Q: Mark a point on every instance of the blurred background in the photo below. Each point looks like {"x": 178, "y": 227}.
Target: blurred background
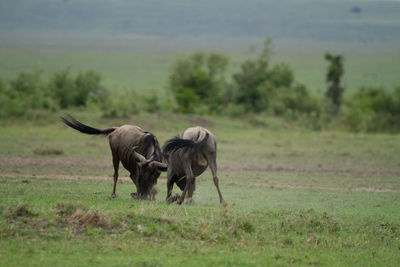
{"x": 313, "y": 60}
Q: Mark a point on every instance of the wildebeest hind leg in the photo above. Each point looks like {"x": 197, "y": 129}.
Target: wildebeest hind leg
{"x": 189, "y": 181}
{"x": 170, "y": 186}
{"x": 116, "y": 167}
{"x": 212, "y": 162}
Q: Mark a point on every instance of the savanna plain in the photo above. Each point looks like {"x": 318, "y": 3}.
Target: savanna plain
{"x": 293, "y": 196}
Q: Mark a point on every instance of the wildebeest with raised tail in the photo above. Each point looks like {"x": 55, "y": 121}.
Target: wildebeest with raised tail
{"x": 189, "y": 156}
{"x": 139, "y": 152}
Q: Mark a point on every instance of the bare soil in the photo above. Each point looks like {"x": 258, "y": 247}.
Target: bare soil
{"x": 54, "y": 162}
{"x": 51, "y": 164}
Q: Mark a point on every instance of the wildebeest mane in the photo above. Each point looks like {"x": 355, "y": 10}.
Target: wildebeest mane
{"x": 73, "y": 123}
{"x": 177, "y": 143}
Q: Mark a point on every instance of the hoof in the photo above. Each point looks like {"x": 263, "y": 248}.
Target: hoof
{"x": 113, "y": 196}
{"x": 190, "y": 201}
{"x": 135, "y": 195}
{"x": 173, "y": 198}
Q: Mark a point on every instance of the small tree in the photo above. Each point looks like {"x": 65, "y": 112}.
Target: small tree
{"x": 198, "y": 81}
{"x": 69, "y": 91}
{"x": 333, "y": 77}
{"x": 61, "y": 87}
{"x": 87, "y": 86}
{"x": 249, "y": 81}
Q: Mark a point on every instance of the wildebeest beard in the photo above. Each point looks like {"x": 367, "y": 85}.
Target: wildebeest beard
{"x": 146, "y": 175}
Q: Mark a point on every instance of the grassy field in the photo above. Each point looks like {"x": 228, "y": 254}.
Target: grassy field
{"x": 293, "y": 196}
{"x": 143, "y": 64}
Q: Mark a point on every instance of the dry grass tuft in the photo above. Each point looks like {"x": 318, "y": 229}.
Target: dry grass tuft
{"x": 90, "y": 218}
{"x": 77, "y": 215}
{"x": 19, "y": 211}
{"x": 47, "y": 151}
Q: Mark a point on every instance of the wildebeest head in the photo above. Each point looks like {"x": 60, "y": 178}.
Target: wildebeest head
{"x": 148, "y": 170}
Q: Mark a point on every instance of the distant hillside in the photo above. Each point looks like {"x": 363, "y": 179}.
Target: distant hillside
{"x": 339, "y": 20}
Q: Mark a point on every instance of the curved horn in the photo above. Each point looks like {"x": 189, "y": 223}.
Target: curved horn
{"x": 140, "y": 158}
{"x": 159, "y": 165}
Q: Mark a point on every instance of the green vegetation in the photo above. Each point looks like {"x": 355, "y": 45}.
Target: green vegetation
{"x": 294, "y": 196}
{"x": 198, "y": 81}
{"x": 28, "y": 92}
{"x": 333, "y": 78}
{"x": 305, "y": 182}
{"x": 372, "y": 110}
{"x": 257, "y": 87}
{"x": 199, "y": 85}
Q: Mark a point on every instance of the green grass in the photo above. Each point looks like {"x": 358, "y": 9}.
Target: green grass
{"x": 289, "y": 227}
{"x": 293, "y": 197}
{"x": 145, "y": 67}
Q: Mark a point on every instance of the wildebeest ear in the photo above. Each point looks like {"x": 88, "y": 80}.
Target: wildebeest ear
{"x": 160, "y": 166}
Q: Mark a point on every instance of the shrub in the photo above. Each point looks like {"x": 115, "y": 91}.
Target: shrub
{"x": 87, "y": 87}
{"x": 296, "y": 100}
{"x": 61, "y": 88}
{"x": 259, "y": 87}
{"x": 333, "y": 77}
{"x": 373, "y": 110}
{"x": 26, "y": 83}
{"x": 69, "y": 91}
{"x": 252, "y": 84}
{"x": 234, "y": 110}
{"x": 25, "y": 92}
{"x": 198, "y": 79}
{"x": 119, "y": 106}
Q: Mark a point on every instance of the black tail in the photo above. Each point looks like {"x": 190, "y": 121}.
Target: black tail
{"x": 71, "y": 122}
{"x": 177, "y": 143}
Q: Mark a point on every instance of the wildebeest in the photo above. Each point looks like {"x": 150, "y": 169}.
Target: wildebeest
{"x": 139, "y": 152}
{"x": 189, "y": 156}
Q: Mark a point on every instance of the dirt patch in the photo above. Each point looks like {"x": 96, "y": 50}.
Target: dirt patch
{"x": 27, "y": 165}
{"x": 163, "y": 180}
{"x": 245, "y": 167}
{"x": 62, "y": 162}
{"x": 49, "y": 162}
{"x": 367, "y": 189}
{"x": 62, "y": 176}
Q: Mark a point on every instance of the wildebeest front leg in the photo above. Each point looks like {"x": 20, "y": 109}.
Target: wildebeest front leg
{"x": 134, "y": 195}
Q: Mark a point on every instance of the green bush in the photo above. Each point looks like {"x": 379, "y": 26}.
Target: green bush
{"x": 373, "y": 110}
{"x": 251, "y": 87}
{"x": 259, "y": 87}
{"x": 61, "y": 88}
{"x": 199, "y": 79}
{"x": 234, "y": 110}
{"x": 69, "y": 91}
{"x": 87, "y": 87}
{"x": 27, "y": 92}
{"x": 150, "y": 103}
{"x": 295, "y": 100}
{"x": 119, "y": 106}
